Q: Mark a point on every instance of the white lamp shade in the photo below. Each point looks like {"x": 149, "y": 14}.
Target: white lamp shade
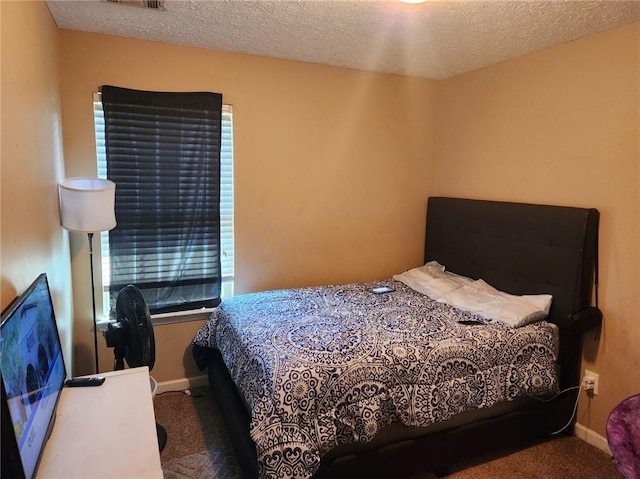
{"x": 87, "y": 205}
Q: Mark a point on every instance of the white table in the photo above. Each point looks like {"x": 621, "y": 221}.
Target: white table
{"x": 107, "y": 431}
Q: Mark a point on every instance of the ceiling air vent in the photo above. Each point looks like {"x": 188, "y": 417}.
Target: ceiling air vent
{"x": 150, "y": 4}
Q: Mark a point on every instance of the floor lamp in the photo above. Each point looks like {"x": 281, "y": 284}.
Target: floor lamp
{"x": 87, "y": 206}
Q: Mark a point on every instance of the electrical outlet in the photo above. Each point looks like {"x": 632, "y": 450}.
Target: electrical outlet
{"x": 590, "y": 382}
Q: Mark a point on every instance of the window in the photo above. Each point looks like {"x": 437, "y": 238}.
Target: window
{"x": 226, "y": 203}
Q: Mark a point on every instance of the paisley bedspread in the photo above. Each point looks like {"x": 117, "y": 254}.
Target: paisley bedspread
{"x": 324, "y": 366}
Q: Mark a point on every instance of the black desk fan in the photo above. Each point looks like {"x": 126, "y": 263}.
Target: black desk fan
{"x": 132, "y": 337}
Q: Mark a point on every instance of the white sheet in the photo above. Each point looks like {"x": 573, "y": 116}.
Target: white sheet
{"x": 432, "y": 280}
{"x": 476, "y": 297}
{"x": 484, "y": 300}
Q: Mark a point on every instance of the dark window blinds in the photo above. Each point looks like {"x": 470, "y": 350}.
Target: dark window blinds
{"x": 163, "y": 153}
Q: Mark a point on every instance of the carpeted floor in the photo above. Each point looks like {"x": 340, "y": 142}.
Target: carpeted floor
{"x": 198, "y": 447}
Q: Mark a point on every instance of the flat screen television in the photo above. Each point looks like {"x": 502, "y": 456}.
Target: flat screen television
{"x": 33, "y": 374}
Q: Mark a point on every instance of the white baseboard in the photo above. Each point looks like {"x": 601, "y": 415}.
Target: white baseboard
{"x": 592, "y": 437}
{"x": 182, "y": 384}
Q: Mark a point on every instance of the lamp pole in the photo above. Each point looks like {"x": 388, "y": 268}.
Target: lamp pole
{"x": 93, "y": 301}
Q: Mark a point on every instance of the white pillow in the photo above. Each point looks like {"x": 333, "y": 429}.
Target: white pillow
{"x": 486, "y": 301}
{"x": 432, "y": 280}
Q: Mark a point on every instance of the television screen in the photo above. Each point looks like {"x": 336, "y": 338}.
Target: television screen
{"x": 33, "y": 374}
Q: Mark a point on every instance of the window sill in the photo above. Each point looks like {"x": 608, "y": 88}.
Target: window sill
{"x": 182, "y": 316}
{"x": 170, "y": 318}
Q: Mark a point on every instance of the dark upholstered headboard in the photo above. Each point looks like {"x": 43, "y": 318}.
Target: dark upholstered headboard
{"x": 521, "y": 249}
{"x": 518, "y": 248}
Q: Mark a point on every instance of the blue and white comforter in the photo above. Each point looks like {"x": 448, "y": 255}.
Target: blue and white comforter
{"x": 324, "y": 366}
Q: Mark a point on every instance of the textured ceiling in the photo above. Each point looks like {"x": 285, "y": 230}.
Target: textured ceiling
{"x": 436, "y": 39}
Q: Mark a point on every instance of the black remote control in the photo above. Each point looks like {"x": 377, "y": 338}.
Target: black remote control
{"x": 84, "y": 382}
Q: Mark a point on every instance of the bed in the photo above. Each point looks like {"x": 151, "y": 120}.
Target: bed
{"x": 339, "y": 381}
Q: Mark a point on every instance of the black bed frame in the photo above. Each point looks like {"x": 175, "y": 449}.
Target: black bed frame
{"x": 518, "y": 248}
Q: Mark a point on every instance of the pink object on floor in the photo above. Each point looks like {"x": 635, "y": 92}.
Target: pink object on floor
{"x": 623, "y": 434}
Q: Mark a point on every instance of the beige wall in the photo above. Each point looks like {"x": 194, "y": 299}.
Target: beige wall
{"x": 31, "y": 239}
{"x": 561, "y": 126}
{"x": 331, "y": 165}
